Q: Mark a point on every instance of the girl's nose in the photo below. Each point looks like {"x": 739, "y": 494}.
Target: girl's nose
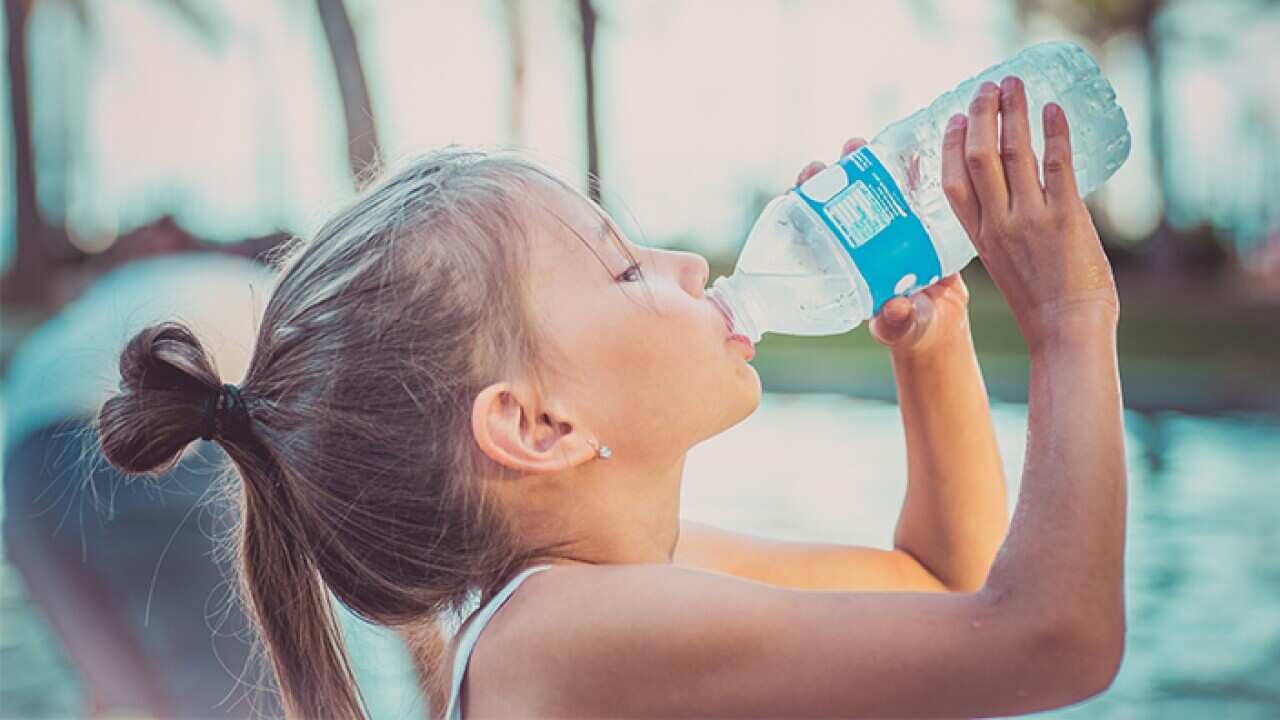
{"x": 693, "y": 271}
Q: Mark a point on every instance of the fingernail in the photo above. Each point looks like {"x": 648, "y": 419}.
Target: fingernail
{"x": 1009, "y": 86}
{"x": 1052, "y": 115}
{"x": 989, "y": 87}
{"x": 956, "y": 121}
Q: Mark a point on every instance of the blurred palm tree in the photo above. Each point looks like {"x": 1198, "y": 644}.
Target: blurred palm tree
{"x": 37, "y": 243}
{"x": 43, "y": 244}
{"x": 364, "y": 153}
{"x": 587, "y": 16}
{"x": 1102, "y": 20}
{"x": 513, "y": 22}
{"x": 513, "y": 12}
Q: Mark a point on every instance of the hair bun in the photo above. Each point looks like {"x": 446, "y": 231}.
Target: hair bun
{"x": 166, "y": 379}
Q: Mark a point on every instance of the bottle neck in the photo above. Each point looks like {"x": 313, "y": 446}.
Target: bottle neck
{"x": 732, "y": 295}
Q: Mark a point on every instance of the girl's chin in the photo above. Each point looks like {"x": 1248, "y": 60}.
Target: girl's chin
{"x": 753, "y": 377}
{"x": 749, "y": 396}
{"x": 734, "y": 398}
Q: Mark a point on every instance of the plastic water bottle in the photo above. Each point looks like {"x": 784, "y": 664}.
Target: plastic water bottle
{"x": 824, "y": 257}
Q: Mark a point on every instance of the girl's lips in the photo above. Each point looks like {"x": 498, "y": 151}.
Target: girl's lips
{"x": 724, "y": 312}
{"x": 728, "y": 322}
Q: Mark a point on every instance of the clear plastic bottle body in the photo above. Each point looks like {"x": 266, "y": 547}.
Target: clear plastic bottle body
{"x": 794, "y": 275}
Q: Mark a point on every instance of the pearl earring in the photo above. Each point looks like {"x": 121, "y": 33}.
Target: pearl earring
{"x": 602, "y": 451}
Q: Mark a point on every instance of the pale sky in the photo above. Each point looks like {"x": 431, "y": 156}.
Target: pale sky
{"x": 701, "y": 104}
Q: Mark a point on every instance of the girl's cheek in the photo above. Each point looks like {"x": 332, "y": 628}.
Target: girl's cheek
{"x": 673, "y": 301}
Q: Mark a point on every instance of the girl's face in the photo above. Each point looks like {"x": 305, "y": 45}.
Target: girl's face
{"x": 638, "y": 352}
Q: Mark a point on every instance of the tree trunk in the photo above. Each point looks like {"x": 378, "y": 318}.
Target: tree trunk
{"x": 363, "y": 150}
{"x": 513, "y": 14}
{"x": 1158, "y": 100}
{"x": 37, "y": 244}
{"x": 1162, "y": 245}
{"x": 587, "y": 14}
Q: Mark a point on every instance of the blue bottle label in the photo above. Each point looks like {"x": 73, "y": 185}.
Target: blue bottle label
{"x": 863, "y": 207}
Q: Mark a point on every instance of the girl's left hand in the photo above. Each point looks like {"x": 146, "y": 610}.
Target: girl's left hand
{"x": 923, "y": 320}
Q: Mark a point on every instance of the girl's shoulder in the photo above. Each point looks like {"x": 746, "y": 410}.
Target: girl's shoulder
{"x": 501, "y": 677}
{"x": 660, "y": 640}
{"x": 534, "y": 646}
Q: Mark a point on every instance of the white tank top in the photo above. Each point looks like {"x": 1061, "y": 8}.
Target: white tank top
{"x": 469, "y": 636}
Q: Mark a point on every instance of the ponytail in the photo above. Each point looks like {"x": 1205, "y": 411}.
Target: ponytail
{"x": 167, "y": 384}
{"x": 292, "y": 607}
{"x": 428, "y": 647}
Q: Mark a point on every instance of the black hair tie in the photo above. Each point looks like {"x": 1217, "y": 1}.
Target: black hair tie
{"x": 225, "y": 415}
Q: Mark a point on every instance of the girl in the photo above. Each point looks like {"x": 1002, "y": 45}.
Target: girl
{"x": 470, "y": 381}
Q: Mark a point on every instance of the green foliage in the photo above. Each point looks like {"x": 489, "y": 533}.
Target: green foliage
{"x": 1178, "y": 350}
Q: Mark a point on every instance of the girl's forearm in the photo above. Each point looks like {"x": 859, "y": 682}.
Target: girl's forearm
{"x": 955, "y": 514}
{"x": 1064, "y": 556}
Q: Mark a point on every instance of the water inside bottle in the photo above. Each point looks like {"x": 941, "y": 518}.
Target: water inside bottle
{"x": 805, "y": 304}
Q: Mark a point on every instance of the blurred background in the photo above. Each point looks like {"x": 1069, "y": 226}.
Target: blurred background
{"x": 144, "y": 129}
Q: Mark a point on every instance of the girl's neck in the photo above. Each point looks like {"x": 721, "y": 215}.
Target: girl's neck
{"x": 612, "y": 512}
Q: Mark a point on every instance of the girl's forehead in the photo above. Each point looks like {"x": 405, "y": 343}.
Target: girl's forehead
{"x": 568, "y": 222}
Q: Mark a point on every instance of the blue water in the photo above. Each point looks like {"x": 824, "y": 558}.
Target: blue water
{"x": 1203, "y": 556}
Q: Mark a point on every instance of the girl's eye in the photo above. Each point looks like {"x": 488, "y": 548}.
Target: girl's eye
{"x": 631, "y": 274}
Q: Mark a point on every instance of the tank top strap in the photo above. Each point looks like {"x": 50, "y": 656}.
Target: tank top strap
{"x": 467, "y": 641}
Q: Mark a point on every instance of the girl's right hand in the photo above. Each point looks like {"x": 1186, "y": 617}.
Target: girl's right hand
{"x": 1037, "y": 241}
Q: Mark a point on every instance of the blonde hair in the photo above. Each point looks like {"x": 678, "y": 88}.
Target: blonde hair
{"x": 359, "y": 473}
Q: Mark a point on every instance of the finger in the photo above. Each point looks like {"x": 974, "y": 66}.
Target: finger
{"x": 1015, "y": 145}
{"x": 909, "y": 324}
{"x": 1059, "y": 176}
{"x": 851, "y": 145}
{"x": 955, "y": 176}
{"x": 981, "y": 155}
{"x": 937, "y": 290}
{"x": 898, "y": 310}
{"x": 809, "y": 171}
{"x": 955, "y": 282}
{"x": 894, "y": 322}
{"x": 949, "y": 285}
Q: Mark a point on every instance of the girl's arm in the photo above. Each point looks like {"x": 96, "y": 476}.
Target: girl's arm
{"x": 955, "y": 513}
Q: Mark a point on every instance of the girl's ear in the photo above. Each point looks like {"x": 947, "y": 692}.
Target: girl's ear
{"x": 515, "y": 429}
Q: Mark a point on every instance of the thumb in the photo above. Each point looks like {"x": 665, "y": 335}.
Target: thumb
{"x": 903, "y": 325}
{"x": 895, "y": 321}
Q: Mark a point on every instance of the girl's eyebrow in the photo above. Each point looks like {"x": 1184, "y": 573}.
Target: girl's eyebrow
{"x": 604, "y": 232}
{"x": 602, "y": 228}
